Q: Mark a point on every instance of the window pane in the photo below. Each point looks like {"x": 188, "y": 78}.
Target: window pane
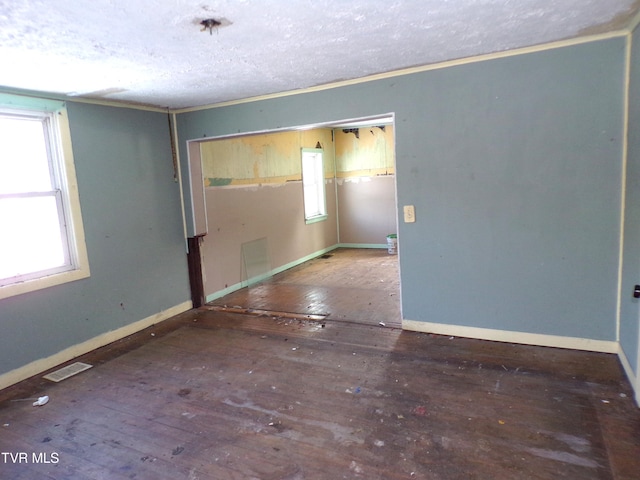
{"x": 24, "y": 164}
{"x": 308, "y": 161}
{"x": 31, "y": 239}
{"x": 313, "y": 184}
{"x": 311, "y": 203}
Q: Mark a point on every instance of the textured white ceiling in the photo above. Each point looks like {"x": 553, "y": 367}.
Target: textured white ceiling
{"x": 154, "y": 52}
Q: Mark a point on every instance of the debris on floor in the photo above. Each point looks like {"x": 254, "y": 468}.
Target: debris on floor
{"x": 41, "y": 401}
{"x": 420, "y": 410}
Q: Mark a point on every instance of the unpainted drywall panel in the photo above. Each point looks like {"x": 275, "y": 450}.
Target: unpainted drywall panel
{"x": 273, "y": 214}
{"x": 366, "y": 209}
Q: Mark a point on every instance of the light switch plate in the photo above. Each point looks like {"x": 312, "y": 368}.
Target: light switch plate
{"x": 409, "y": 214}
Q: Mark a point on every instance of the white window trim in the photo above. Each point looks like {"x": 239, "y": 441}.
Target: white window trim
{"x": 71, "y": 200}
{"x": 325, "y": 215}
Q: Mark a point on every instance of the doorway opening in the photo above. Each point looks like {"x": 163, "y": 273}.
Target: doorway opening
{"x": 252, "y": 192}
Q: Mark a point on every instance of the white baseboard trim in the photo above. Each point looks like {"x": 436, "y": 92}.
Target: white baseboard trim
{"x": 524, "y": 338}
{"x": 38, "y": 366}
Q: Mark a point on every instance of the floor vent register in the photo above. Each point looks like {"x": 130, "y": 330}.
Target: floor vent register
{"x": 68, "y": 371}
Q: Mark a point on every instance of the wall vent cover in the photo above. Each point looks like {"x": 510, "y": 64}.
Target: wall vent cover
{"x": 68, "y": 371}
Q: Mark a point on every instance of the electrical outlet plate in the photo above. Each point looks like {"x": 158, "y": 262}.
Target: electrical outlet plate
{"x": 409, "y": 214}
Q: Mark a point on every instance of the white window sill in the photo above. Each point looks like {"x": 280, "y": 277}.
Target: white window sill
{"x": 317, "y": 218}
{"x": 43, "y": 282}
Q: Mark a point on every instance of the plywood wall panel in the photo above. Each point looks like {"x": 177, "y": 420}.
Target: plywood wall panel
{"x": 371, "y": 152}
{"x": 263, "y": 158}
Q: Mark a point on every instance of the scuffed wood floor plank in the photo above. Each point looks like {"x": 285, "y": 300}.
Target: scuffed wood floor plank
{"x": 224, "y": 395}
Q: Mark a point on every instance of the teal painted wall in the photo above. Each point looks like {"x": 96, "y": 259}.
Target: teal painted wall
{"x": 520, "y": 198}
{"x": 514, "y": 168}
{"x": 629, "y": 307}
{"x": 133, "y": 226}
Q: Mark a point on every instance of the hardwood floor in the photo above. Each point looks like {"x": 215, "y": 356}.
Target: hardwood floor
{"x": 222, "y": 395}
{"x": 354, "y": 285}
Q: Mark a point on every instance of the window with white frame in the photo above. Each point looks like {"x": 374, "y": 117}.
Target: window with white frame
{"x": 315, "y": 206}
{"x": 42, "y": 242}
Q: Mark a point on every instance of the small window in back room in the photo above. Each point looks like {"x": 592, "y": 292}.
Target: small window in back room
{"x": 315, "y": 206}
{"x": 42, "y": 243}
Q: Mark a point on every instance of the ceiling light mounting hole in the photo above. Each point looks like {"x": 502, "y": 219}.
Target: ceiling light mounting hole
{"x": 210, "y": 24}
